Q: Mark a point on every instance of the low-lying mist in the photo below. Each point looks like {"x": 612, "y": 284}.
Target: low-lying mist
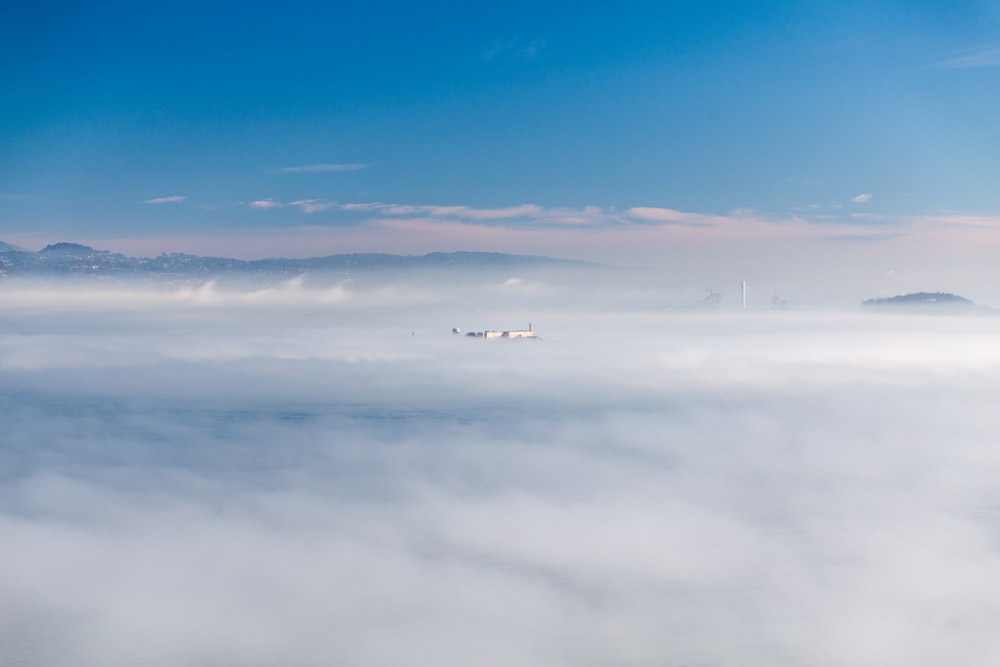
{"x": 322, "y": 473}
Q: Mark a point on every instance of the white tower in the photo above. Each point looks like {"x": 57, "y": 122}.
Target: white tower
{"x": 744, "y": 288}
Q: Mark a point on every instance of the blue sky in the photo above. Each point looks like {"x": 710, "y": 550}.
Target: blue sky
{"x": 310, "y": 128}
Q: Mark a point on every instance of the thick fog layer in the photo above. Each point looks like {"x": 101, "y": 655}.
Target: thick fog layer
{"x": 322, "y": 475}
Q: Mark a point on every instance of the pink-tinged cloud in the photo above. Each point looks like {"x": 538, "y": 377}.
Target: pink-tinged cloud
{"x": 175, "y": 199}
{"x": 668, "y": 215}
{"x": 312, "y": 205}
{"x": 947, "y": 252}
{"x": 944, "y": 252}
{"x": 730, "y": 241}
{"x": 862, "y": 198}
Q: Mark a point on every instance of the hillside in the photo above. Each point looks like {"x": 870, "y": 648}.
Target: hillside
{"x": 923, "y": 302}
{"x": 72, "y": 259}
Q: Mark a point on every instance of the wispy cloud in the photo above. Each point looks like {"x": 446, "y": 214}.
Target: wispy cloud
{"x": 603, "y": 233}
{"x": 523, "y": 214}
{"x": 468, "y": 212}
{"x": 312, "y": 205}
{"x": 166, "y": 200}
{"x": 304, "y": 205}
{"x": 265, "y": 204}
{"x": 516, "y": 48}
{"x": 327, "y": 167}
{"x": 668, "y": 215}
{"x": 527, "y": 217}
{"x": 363, "y": 206}
{"x": 476, "y": 223}
{"x": 981, "y": 56}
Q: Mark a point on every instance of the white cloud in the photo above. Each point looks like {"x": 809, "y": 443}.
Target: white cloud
{"x": 862, "y": 198}
{"x": 322, "y": 168}
{"x": 470, "y": 213}
{"x": 367, "y": 206}
{"x": 312, "y": 205}
{"x": 166, "y": 200}
{"x": 653, "y": 214}
{"x": 516, "y": 215}
{"x": 305, "y": 205}
{"x": 265, "y": 204}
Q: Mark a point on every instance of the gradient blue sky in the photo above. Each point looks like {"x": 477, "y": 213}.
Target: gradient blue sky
{"x": 300, "y": 128}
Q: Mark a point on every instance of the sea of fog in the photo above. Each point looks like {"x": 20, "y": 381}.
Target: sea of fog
{"x": 322, "y": 475}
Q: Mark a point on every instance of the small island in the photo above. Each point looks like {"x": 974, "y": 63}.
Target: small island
{"x": 923, "y": 302}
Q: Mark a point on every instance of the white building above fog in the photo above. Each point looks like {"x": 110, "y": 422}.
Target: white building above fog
{"x": 512, "y": 333}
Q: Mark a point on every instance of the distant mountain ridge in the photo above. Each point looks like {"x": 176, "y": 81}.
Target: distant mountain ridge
{"x": 80, "y": 260}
